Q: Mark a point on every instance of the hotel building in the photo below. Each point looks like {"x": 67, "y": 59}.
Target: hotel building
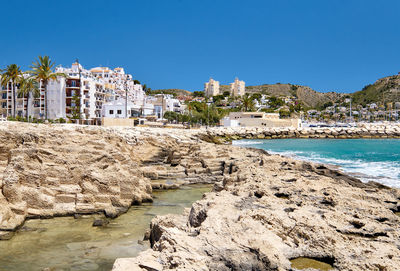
{"x": 238, "y": 88}
{"x": 211, "y": 88}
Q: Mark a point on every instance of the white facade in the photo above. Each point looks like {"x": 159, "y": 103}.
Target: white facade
{"x": 117, "y": 109}
{"x": 35, "y": 106}
{"x": 238, "y": 88}
{"x": 89, "y": 88}
{"x": 260, "y": 119}
{"x": 211, "y": 88}
{"x": 227, "y": 122}
{"x": 165, "y": 102}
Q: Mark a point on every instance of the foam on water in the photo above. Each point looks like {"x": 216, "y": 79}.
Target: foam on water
{"x": 246, "y": 142}
{"x": 366, "y": 159}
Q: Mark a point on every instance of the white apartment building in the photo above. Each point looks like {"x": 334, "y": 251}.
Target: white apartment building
{"x": 81, "y": 90}
{"x": 238, "y": 88}
{"x": 35, "y": 106}
{"x": 165, "y": 102}
{"x": 211, "y": 88}
{"x": 117, "y": 109}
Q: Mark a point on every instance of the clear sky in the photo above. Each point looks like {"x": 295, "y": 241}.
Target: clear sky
{"x": 335, "y": 45}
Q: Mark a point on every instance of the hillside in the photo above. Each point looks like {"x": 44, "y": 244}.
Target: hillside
{"x": 384, "y": 90}
{"x": 306, "y": 95}
{"x": 172, "y": 91}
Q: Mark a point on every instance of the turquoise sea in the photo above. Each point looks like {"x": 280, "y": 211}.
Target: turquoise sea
{"x": 367, "y": 159}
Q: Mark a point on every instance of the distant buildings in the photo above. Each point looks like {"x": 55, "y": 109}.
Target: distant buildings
{"x": 81, "y": 94}
{"x": 163, "y": 103}
{"x": 211, "y": 88}
{"x": 260, "y": 119}
{"x": 237, "y": 88}
{"x": 117, "y": 109}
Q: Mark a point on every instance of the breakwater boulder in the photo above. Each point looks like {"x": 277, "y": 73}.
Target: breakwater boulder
{"x": 224, "y": 135}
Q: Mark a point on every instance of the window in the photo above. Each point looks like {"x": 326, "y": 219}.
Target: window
{"x": 111, "y": 112}
{"x": 119, "y": 112}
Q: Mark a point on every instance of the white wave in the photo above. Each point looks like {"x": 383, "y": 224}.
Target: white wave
{"x": 246, "y": 142}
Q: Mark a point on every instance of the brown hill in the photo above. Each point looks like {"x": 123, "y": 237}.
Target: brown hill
{"x": 384, "y": 90}
{"x": 172, "y": 91}
{"x": 306, "y": 95}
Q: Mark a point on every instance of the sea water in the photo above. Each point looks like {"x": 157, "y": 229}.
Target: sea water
{"x": 65, "y": 243}
{"x": 367, "y": 159}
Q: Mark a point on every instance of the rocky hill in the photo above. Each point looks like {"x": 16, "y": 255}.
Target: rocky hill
{"x": 172, "y": 91}
{"x": 384, "y": 90}
{"x": 306, "y": 95}
{"x": 309, "y": 97}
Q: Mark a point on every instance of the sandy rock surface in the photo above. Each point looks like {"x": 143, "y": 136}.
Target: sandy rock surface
{"x": 268, "y": 210}
{"x": 58, "y": 171}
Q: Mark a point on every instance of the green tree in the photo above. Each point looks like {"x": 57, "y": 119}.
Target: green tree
{"x": 170, "y": 116}
{"x": 43, "y": 71}
{"x": 198, "y": 93}
{"x": 247, "y": 103}
{"x": 76, "y": 108}
{"x": 276, "y": 102}
{"x": 26, "y": 87}
{"x": 283, "y": 113}
{"x": 218, "y": 98}
{"x": 256, "y": 96}
{"x": 226, "y": 93}
{"x": 11, "y": 74}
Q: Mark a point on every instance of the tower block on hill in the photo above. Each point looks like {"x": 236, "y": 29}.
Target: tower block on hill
{"x": 211, "y": 88}
{"x": 238, "y": 88}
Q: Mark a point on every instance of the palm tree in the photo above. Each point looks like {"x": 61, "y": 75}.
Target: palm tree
{"x": 27, "y": 86}
{"x": 11, "y": 74}
{"x": 42, "y": 71}
{"x": 247, "y": 103}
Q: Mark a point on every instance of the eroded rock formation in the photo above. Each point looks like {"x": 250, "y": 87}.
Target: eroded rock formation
{"x": 55, "y": 171}
{"x": 268, "y": 210}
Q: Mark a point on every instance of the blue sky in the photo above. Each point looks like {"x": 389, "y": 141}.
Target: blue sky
{"x": 336, "y": 45}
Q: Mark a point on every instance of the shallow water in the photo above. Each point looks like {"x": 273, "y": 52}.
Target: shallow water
{"x": 65, "y": 243}
{"x": 304, "y": 263}
{"x": 367, "y": 159}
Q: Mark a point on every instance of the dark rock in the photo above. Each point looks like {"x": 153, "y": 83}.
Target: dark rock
{"x": 100, "y": 222}
{"x": 6, "y": 235}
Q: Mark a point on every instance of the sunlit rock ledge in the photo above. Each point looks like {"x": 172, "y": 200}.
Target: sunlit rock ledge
{"x": 268, "y": 211}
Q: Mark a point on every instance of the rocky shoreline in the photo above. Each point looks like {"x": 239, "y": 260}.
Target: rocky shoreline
{"x": 64, "y": 170}
{"x": 269, "y": 210}
{"x": 264, "y": 209}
